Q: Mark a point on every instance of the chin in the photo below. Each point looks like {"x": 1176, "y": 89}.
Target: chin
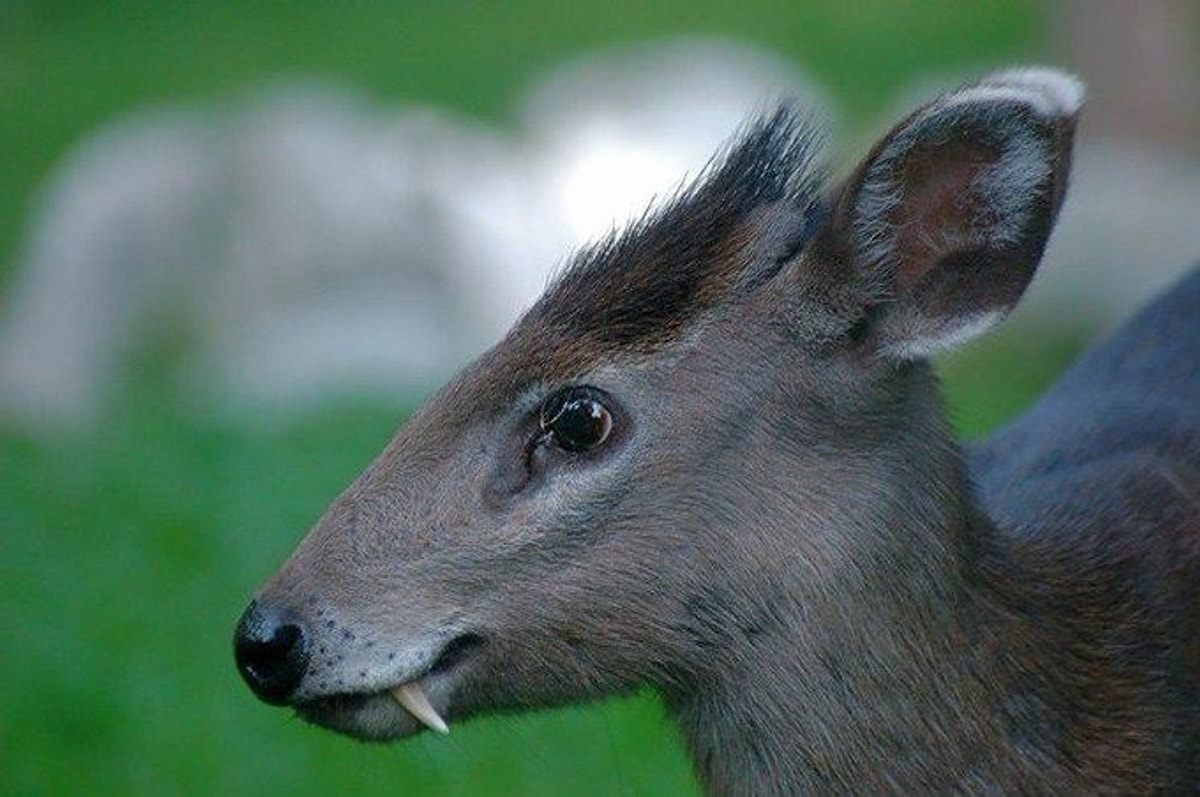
{"x": 366, "y": 717}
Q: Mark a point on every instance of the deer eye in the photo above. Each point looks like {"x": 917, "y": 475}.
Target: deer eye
{"x": 576, "y": 419}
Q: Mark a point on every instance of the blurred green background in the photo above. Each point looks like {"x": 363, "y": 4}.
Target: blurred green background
{"x": 127, "y": 554}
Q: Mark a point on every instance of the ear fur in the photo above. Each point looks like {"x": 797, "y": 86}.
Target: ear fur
{"x": 943, "y": 224}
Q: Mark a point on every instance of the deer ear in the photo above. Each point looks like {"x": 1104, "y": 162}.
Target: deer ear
{"x": 943, "y": 224}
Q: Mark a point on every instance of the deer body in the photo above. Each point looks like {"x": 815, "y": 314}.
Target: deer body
{"x": 713, "y": 459}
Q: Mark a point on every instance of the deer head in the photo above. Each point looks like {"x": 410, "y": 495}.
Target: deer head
{"x": 710, "y": 457}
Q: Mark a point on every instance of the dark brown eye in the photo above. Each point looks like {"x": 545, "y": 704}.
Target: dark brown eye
{"x": 576, "y": 419}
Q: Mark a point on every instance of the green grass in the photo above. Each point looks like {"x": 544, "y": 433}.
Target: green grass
{"x": 127, "y": 554}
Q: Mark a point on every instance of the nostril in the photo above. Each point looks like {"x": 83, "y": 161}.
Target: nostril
{"x": 264, "y": 657}
{"x": 271, "y": 655}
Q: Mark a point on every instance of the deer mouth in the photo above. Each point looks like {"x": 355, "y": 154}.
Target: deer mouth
{"x": 400, "y": 710}
{"x": 411, "y": 696}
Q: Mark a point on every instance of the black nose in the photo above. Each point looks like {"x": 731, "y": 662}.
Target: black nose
{"x": 271, "y": 654}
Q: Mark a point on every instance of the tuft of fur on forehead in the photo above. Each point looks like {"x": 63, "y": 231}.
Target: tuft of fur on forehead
{"x": 639, "y": 287}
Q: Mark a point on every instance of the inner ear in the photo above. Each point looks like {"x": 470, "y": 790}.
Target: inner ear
{"x": 942, "y": 213}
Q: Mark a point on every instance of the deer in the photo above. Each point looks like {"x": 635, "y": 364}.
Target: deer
{"x": 713, "y": 460}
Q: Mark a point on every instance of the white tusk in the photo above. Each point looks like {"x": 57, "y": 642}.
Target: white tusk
{"x": 412, "y": 697}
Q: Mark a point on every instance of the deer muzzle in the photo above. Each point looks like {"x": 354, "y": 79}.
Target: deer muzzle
{"x": 363, "y": 686}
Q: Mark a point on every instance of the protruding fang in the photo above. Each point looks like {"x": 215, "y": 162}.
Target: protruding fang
{"x": 412, "y": 697}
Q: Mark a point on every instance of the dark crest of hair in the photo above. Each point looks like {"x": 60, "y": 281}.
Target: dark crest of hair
{"x": 639, "y": 285}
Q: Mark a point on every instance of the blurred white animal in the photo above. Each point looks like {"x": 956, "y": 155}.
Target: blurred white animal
{"x": 308, "y": 241}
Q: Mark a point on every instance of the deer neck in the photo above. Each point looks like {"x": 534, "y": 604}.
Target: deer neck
{"x": 902, "y": 698}
{"x": 884, "y": 685}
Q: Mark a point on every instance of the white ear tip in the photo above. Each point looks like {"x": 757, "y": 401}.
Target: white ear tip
{"x": 1051, "y": 91}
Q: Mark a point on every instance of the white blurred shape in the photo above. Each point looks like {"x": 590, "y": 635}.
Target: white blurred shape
{"x": 310, "y": 242}
{"x": 115, "y": 249}
{"x": 1130, "y": 227}
{"x": 341, "y": 274}
{"x": 610, "y": 134}
{"x": 595, "y": 188}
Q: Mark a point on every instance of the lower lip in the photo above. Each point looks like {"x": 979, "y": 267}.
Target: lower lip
{"x": 368, "y": 717}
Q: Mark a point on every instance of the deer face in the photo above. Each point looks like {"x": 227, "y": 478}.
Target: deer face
{"x": 699, "y": 436}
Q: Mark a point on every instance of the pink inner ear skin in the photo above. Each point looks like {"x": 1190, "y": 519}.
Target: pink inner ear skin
{"x": 942, "y": 209}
